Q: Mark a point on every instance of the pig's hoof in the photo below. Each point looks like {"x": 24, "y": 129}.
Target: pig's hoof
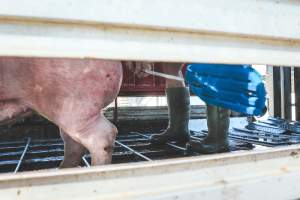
{"x": 64, "y": 165}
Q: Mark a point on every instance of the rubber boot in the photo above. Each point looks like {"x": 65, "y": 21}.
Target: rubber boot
{"x": 218, "y": 120}
{"x": 178, "y": 99}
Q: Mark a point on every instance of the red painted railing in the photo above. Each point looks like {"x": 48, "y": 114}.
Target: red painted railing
{"x": 134, "y": 86}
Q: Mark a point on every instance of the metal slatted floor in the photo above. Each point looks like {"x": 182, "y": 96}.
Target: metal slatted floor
{"x": 36, "y": 154}
{"x": 44, "y": 154}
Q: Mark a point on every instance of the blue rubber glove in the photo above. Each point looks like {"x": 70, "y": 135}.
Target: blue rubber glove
{"x": 236, "y": 87}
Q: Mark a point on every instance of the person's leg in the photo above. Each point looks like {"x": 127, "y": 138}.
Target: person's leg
{"x": 178, "y": 98}
{"x": 173, "y": 69}
{"x": 217, "y": 139}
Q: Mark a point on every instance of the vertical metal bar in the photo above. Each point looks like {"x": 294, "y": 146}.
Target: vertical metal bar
{"x": 297, "y": 92}
{"x": 23, "y": 155}
{"x": 286, "y": 90}
{"x": 273, "y": 83}
{"x": 116, "y": 114}
{"x": 133, "y": 151}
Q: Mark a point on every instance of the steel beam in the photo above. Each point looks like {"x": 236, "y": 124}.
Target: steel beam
{"x": 233, "y": 31}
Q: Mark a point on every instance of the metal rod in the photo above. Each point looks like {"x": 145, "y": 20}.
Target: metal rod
{"x": 133, "y": 151}
{"x": 23, "y": 155}
{"x": 176, "y": 147}
{"x": 87, "y": 164}
{"x": 167, "y": 76}
{"x": 168, "y": 143}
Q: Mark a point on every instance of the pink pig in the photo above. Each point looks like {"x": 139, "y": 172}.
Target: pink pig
{"x": 69, "y": 92}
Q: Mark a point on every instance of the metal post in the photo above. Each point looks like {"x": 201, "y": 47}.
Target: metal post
{"x": 297, "y": 92}
{"x": 115, "y": 113}
{"x": 286, "y": 90}
{"x": 274, "y": 91}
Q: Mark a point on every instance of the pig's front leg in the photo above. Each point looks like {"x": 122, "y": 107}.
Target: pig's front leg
{"x": 100, "y": 141}
{"x": 73, "y": 151}
{"x": 99, "y": 138}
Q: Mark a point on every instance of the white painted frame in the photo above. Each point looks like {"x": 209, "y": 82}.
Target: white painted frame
{"x": 223, "y": 31}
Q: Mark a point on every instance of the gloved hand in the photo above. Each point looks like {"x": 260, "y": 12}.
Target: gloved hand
{"x": 236, "y": 87}
{"x": 139, "y": 67}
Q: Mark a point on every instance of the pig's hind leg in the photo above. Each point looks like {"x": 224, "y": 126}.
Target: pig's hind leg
{"x": 73, "y": 151}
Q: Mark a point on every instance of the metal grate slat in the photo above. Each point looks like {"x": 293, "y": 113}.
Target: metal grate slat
{"x": 23, "y": 155}
{"x": 169, "y": 144}
{"x": 133, "y": 151}
{"x": 87, "y": 164}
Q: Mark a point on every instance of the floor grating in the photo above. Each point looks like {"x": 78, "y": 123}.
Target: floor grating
{"x": 36, "y": 154}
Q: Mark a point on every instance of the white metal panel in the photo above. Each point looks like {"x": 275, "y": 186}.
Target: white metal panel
{"x": 256, "y": 32}
{"x": 60, "y": 40}
{"x": 231, "y": 31}
{"x": 274, "y": 18}
{"x": 272, "y": 174}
